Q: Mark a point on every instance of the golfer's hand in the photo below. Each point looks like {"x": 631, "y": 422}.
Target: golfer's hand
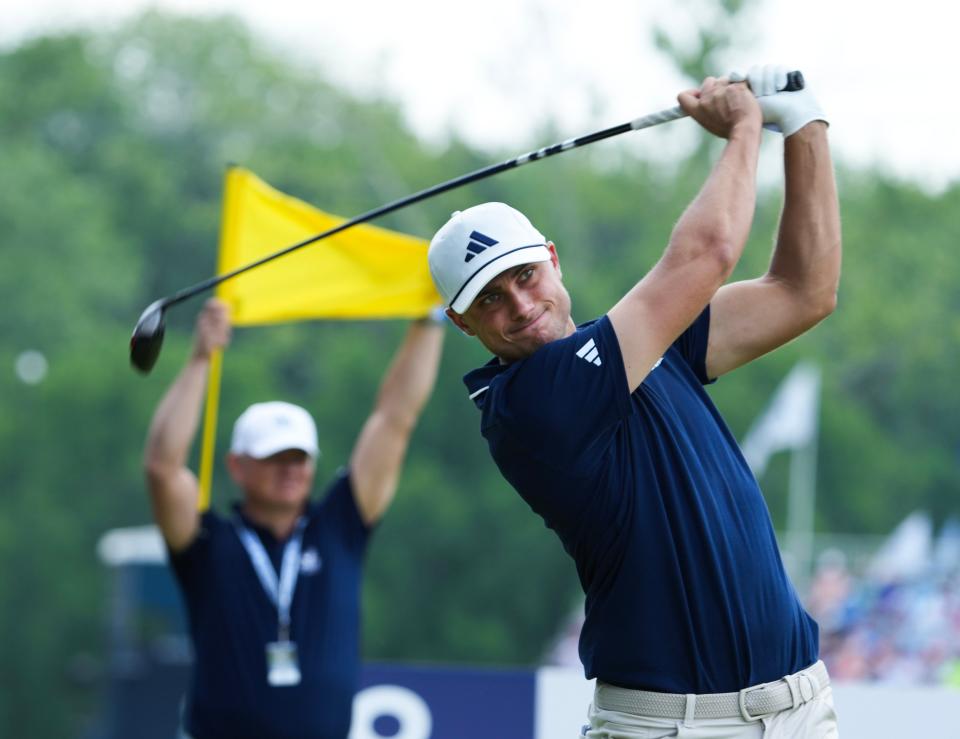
{"x": 722, "y": 107}
{"x": 786, "y": 112}
{"x": 213, "y": 329}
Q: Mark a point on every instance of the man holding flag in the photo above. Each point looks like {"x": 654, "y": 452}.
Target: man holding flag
{"x": 272, "y": 589}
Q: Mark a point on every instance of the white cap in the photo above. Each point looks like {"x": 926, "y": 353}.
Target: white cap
{"x": 476, "y": 245}
{"x": 267, "y": 428}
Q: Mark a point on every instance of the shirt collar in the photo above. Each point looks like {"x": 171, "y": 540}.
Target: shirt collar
{"x": 266, "y": 536}
{"x": 478, "y": 381}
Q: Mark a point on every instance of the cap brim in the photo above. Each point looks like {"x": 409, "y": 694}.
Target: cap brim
{"x": 521, "y": 255}
{"x": 281, "y": 443}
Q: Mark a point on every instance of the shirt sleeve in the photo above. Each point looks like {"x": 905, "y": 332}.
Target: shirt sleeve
{"x": 692, "y": 346}
{"x": 339, "y": 507}
{"x": 563, "y": 401}
{"x": 190, "y": 565}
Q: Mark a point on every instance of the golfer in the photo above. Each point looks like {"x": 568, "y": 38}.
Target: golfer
{"x": 272, "y": 587}
{"x": 692, "y": 627}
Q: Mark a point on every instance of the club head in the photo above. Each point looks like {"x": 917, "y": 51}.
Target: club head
{"x": 147, "y": 338}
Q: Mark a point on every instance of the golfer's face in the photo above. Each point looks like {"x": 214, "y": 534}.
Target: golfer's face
{"x": 283, "y": 479}
{"x": 520, "y": 310}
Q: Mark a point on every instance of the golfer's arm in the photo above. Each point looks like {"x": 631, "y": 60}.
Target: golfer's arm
{"x": 380, "y": 449}
{"x": 750, "y": 318}
{"x": 703, "y": 250}
{"x": 173, "y": 488}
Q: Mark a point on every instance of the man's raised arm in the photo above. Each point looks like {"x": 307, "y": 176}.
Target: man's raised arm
{"x": 750, "y": 318}
{"x": 378, "y": 455}
{"x": 708, "y": 239}
{"x": 173, "y": 487}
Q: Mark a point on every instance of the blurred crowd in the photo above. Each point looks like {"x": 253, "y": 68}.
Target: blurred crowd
{"x": 901, "y": 627}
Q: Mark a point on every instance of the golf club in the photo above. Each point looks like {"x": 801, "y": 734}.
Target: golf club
{"x": 147, "y": 338}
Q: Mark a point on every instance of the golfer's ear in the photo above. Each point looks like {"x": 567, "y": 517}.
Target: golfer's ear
{"x": 554, "y": 257}
{"x": 457, "y": 320}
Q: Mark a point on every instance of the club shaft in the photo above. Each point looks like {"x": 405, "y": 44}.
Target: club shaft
{"x": 635, "y": 125}
{"x": 795, "y": 82}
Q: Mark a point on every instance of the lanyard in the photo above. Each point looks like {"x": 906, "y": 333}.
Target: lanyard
{"x": 280, "y": 591}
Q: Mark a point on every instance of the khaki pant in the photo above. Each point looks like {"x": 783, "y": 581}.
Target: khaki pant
{"x": 814, "y": 719}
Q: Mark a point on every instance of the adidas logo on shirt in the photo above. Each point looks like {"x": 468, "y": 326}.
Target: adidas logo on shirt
{"x": 590, "y": 353}
{"x": 479, "y": 243}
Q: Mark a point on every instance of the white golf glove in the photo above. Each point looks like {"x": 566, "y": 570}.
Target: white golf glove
{"x": 786, "y": 112}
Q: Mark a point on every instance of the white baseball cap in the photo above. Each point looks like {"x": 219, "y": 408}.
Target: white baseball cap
{"x": 267, "y": 428}
{"x": 476, "y": 245}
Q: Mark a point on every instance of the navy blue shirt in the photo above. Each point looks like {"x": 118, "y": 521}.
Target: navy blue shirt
{"x": 651, "y": 497}
{"x": 232, "y": 619}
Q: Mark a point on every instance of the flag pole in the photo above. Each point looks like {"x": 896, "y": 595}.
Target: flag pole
{"x": 801, "y": 500}
{"x": 215, "y": 373}
{"x": 209, "y": 430}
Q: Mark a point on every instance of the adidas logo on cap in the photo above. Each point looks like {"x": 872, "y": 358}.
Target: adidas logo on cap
{"x": 474, "y": 248}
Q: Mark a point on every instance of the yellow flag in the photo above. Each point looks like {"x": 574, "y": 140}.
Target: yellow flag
{"x": 363, "y": 272}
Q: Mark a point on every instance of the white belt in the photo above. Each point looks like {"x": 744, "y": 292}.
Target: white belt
{"x": 749, "y": 704}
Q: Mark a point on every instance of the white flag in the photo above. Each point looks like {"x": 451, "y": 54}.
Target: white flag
{"x": 946, "y": 552}
{"x": 906, "y": 552}
{"x": 789, "y": 422}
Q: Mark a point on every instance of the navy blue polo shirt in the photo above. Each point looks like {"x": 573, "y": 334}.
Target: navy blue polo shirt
{"x": 232, "y": 619}
{"x": 651, "y": 497}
